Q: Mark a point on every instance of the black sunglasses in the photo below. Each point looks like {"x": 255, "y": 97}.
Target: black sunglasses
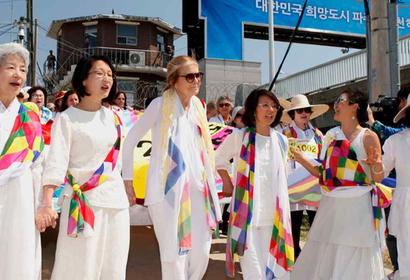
{"x": 307, "y": 110}
{"x": 224, "y": 105}
{"x": 190, "y": 77}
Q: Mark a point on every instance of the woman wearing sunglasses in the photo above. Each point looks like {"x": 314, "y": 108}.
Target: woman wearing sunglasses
{"x": 224, "y": 104}
{"x": 343, "y": 242}
{"x": 260, "y": 202}
{"x": 304, "y": 189}
{"x": 181, "y": 194}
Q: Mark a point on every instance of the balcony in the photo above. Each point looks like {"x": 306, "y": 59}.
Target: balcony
{"x": 126, "y": 60}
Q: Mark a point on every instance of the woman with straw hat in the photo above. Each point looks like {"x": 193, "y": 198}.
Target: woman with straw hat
{"x": 397, "y": 155}
{"x": 304, "y": 189}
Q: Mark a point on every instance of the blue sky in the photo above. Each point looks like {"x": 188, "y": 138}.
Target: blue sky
{"x": 169, "y": 10}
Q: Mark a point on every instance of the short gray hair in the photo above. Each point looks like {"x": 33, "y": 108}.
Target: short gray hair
{"x": 14, "y": 49}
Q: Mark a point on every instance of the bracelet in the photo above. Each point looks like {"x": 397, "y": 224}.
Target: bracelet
{"x": 377, "y": 172}
{"x": 46, "y": 206}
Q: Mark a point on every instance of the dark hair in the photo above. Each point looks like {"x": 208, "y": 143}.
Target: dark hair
{"x": 251, "y": 103}
{"x": 360, "y": 98}
{"x": 81, "y": 73}
{"x": 34, "y": 89}
{"x": 64, "y": 104}
{"x": 116, "y": 96}
{"x": 403, "y": 93}
{"x": 406, "y": 118}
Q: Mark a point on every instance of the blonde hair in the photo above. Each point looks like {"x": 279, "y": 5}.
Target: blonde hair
{"x": 173, "y": 68}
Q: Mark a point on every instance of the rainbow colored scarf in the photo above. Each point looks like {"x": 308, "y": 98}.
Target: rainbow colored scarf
{"x": 81, "y": 215}
{"x": 24, "y": 145}
{"x": 341, "y": 168}
{"x": 281, "y": 250}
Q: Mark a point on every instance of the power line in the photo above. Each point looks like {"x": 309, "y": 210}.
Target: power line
{"x": 6, "y": 31}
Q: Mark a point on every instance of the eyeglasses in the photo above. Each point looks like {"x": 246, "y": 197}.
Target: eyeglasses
{"x": 190, "y": 77}
{"x": 307, "y": 110}
{"x": 342, "y": 99}
{"x": 224, "y": 105}
{"x": 266, "y": 106}
{"x": 101, "y": 74}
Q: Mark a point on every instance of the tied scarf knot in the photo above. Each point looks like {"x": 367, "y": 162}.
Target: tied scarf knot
{"x": 81, "y": 215}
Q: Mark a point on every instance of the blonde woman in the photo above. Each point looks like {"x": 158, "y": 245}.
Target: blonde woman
{"x": 181, "y": 172}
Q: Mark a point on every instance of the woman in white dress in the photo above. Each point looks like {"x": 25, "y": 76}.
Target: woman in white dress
{"x": 310, "y": 139}
{"x": 260, "y": 203}
{"x": 93, "y": 239}
{"x": 397, "y": 155}
{"x": 343, "y": 242}
{"x": 181, "y": 172}
{"x": 21, "y": 146}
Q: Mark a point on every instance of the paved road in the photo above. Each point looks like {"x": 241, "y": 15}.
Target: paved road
{"x": 143, "y": 260}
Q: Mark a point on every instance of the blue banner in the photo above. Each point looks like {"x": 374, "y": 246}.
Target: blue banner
{"x": 225, "y": 20}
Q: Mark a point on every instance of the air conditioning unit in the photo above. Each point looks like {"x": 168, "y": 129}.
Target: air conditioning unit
{"x": 137, "y": 58}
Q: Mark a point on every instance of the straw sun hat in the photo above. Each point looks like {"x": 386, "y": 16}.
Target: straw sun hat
{"x": 300, "y": 101}
{"x": 402, "y": 112}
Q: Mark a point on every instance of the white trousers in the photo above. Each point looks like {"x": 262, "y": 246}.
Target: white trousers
{"x": 103, "y": 256}
{"x": 254, "y": 260}
{"x": 193, "y": 265}
{"x": 20, "y": 248}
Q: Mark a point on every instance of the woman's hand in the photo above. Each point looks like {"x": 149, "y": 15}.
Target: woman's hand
{"x": 297, "y": 154}
{"x": 46, "y": 216}
{"x": 129, "y": 189}
{"x": 227, "y": 188}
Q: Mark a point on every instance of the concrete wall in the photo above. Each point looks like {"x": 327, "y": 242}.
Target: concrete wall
{"x": 222, "y": 77}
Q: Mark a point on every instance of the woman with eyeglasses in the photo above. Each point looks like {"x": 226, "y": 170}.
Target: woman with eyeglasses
{"x": 304, "y": 189}
{"x": 260, "y": 202}
{"x": 224, "y": 104}
{"x": 93, "y": 239}
{"x": 181, "y": 195}
{"x": 38, "y": 95}
{"x": 344, "y": 242}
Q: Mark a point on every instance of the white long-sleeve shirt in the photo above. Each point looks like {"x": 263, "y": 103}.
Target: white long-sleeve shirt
{"x": 186, "y": 123}
{"x": 80, "y": 141}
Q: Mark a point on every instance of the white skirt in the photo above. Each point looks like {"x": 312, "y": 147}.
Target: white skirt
{"x": 102, "y": 256}
{"x": 20, "y": 248}
{"x": 342, "y": 242}
{"x": 399, "y": 226}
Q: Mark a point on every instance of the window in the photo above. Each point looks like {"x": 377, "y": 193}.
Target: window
{"x": 160, "y": 42}
{"x": 90, "y": 36}
{"x": 126, "y": 34}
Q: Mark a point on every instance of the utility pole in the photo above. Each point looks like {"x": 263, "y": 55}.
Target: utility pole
{"x": 30, "y": 43}
{"x": 380, "y": 74}
{"x": 271, "y": 42}
{"x": 34, "y": 51}
{"x": 21, "y": 33}
{"x": 393, "y": 47}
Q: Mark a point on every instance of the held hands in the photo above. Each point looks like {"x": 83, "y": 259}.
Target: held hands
{"x": 129, "y": 189}
{"x": 46, "y": 216}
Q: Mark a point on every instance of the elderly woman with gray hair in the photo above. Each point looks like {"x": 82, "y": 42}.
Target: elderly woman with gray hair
{"x": 21, "y": 145}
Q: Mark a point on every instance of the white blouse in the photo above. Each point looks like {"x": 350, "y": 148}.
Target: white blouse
{"x": 265, "y": 175}
{"x": 187, "y": 132}
{"x": 80, "y": 141}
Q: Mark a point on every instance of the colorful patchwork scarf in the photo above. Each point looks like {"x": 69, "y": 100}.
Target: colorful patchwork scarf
{"x": 23, "y": 147}
{"x": 341, "y": 168}
{"x": 281, "y": 250}
{"x": 81, "y": 216}
{"x": 176, "y": 176}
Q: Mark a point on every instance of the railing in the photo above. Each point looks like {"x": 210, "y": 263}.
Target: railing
{"x": 336, "y": 72}
{"x": 118, "y": 56}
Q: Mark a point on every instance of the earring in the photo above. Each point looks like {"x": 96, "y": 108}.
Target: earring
{"x": 353, "y": 118}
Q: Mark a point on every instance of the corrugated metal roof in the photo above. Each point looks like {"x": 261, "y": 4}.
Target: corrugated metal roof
{"x": 56, "y": 24}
